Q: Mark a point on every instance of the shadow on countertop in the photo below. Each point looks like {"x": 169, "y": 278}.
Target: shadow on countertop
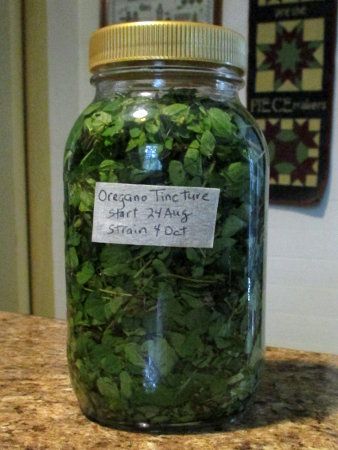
{"x": 291, "y": 390}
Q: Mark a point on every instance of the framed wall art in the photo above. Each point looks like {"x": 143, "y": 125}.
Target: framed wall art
{"x": 290, "y": 92}
{"x": 116, "y": 11}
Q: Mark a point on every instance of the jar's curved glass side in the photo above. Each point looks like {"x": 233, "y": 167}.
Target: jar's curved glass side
{"x": 155, "y": 334}
{"x": 257, "y": 207}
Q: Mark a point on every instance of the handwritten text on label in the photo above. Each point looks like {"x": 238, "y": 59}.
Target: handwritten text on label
{"x": 140, "y": 214}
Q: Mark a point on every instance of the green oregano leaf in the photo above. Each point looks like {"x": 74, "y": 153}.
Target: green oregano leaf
{"x": 232, "y": 225}
{"x": 221, "y": 123}
{"x": 134, "y": 354}
{"x": 72, "y": 260}
{"x": 86, "y": 273}
{"x": 126, "y": 384}
{"x": 161, "y": 354}
{"x": 175, "y": 109}
{"x": 176, "y": 173}
{"x": 208, "y": 143}
{"x": 108, "y": 388}
{"x": 192, "y": 162}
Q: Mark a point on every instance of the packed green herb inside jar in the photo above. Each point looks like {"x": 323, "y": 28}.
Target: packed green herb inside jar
{"x": 165, "y": 198}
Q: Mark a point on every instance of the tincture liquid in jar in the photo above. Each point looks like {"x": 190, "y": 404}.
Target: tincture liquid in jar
{"x": 165, "y": 198}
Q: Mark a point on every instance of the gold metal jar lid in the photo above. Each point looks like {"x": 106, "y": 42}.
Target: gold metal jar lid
{"x": 167, "y": 40}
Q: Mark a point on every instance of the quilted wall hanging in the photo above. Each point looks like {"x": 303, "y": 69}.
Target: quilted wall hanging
{"x": 290, "y": 92}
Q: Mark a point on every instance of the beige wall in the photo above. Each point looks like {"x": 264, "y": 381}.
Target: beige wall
{"x": 69, "y": 91}
{"x": 14, "y": 285}
{"x": 38, "y": 127}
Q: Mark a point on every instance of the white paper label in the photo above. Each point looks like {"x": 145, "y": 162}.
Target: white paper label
{"x": 170, "y": 216}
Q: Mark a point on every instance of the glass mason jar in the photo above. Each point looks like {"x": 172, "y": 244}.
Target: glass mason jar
{"x": 165, "y": 200}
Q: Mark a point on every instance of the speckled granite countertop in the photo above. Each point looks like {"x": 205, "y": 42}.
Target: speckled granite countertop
{"x": 295, "y": 408}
